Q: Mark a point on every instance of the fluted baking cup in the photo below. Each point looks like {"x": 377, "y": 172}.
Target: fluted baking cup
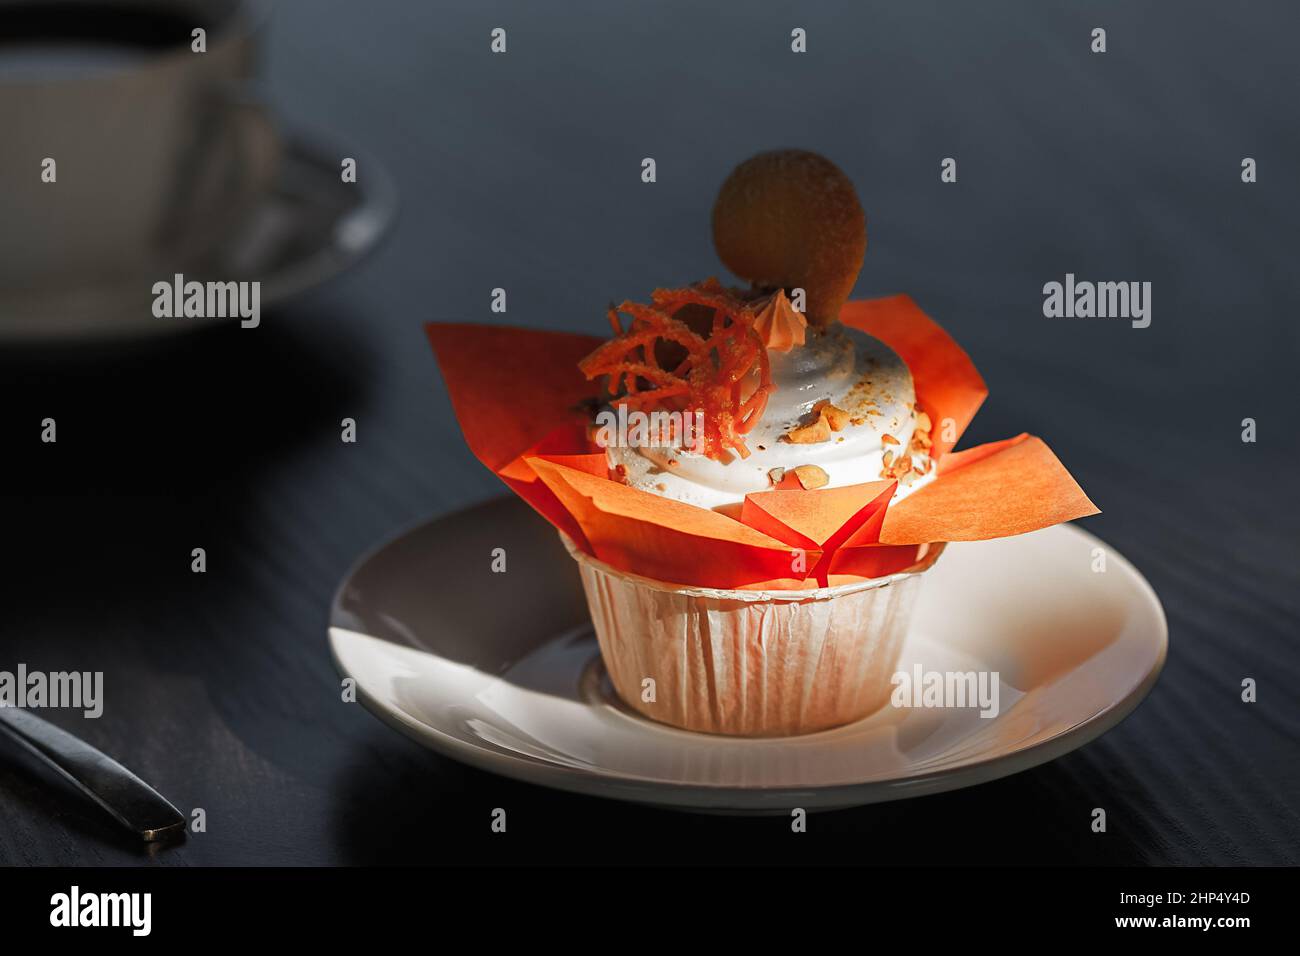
{"x": 750, "y": 662}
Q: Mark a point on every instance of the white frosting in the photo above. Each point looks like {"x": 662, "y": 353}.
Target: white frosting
{"x": 851, "y": 370}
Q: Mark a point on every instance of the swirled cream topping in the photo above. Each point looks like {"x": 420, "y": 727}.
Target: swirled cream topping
{"x": 857, "y": 375}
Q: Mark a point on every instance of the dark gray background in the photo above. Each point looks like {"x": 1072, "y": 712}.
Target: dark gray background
{"x": 522, "y": 171}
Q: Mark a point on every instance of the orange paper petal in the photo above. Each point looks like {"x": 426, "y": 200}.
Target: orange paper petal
{"x": 523, "y": 481}
{"x": 511, "y": 388}
{"x": 808, "y": 519}
{"x": 570, "y": 439}
{"x": 947, "y": 384}
{"x": 1020, "y": 486}
{"x": 863, "y": 555}
{"x": 872, "y": 561}
{"x": 667, "y": 540}
{"x": 968, "y": 456}
{"x": 544, "y": 501}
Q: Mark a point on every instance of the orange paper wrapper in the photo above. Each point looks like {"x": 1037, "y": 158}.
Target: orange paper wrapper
{"x": 948, "y": 388}
{"x": 524, "y": 407}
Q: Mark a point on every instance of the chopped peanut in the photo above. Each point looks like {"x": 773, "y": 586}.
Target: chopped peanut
{"x": 837, "y": 418}
{"x": 810, "y": 476}
{"x": 810, "y": 434}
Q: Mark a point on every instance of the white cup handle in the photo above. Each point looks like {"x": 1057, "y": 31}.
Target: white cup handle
{"x": 257, "y": 141}
{"x": 231, "y": 165}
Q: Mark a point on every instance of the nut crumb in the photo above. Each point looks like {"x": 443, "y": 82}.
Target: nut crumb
{"x": 810, "y": 476}
{"x": 818, "y": 431}
{"x": 837, "y": 418}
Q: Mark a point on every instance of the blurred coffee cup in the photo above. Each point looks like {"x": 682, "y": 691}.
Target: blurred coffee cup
{"x": 132, "y": 142}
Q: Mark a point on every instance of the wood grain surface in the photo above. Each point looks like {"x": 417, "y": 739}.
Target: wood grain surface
{"x": 522, "y": 171}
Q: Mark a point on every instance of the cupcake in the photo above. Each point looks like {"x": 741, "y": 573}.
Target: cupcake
{"x": 753, "y": 479}
{"x": 773, "y": 393}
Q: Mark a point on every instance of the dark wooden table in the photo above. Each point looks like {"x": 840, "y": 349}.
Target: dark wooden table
{"x": 522, "y": 171}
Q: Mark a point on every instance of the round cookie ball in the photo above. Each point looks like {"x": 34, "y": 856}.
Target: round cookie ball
{"x": 792, "y": 219}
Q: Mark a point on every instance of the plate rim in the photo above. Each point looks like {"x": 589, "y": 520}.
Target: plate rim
{"x": 687, "y": 796}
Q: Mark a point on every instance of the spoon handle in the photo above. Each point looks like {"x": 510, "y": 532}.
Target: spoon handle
{"x": 128, "y": 799}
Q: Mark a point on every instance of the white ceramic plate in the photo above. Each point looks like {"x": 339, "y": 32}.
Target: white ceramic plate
{"x": 501, "y": 670}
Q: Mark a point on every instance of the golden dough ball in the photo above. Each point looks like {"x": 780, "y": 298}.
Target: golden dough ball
{"x": 792, "y": 219}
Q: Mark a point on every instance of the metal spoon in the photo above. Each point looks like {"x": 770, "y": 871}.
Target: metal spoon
{"x": 128, "y": 799}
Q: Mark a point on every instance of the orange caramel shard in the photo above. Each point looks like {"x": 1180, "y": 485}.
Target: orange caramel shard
{"x": 724, "y": 373}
